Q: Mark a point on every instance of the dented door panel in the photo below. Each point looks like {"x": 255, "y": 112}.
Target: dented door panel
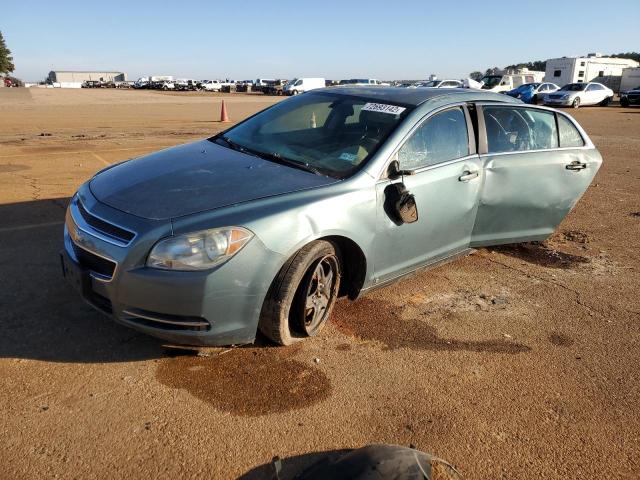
{"x": 525, "y": 195}
{"x": 446, "y": 212}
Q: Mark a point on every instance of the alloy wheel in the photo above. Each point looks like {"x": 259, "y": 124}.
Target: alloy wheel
{"x": 320, "y": 291}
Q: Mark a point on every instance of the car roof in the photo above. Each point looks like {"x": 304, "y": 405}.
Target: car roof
{"x": 417, "y": 96}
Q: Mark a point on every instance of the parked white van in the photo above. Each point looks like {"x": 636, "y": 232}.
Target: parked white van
{"x": 509, "y": 81}
{"x": 301, "y": 85}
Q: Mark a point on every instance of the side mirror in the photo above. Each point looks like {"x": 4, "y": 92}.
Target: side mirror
{"x": 394, "y": 171}
{"x": 400, "y": 205}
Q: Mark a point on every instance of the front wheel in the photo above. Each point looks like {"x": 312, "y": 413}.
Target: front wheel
{"x": 534, "y": 100}
{"x": 302, "y": 295}
{"x": 624, "y": 102}
{"x": 576, "y": 103}
{"x": 605, "y": 102}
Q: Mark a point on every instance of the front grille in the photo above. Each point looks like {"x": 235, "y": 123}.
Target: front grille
{"x": 555, "y": 97}
{"x": 94, "y": 263}
{"x": 165, "y": 321}
{"x": 105, "y": 228}
{"x": 634, "y": 98}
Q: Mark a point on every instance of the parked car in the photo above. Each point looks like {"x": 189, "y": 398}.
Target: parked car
{"x": 363, "y": 81}
{"x": 630, "y": 97}
{"x": 301, "y": 85}
{"x": 184, "y": 85}
{"x": 329, "y": 193}
{"x": 441, "y": 84}
{"x": 533, "y": 92}
{"x": 211, "y": 85}
{"x": 275, "y": 87}
{"x": 165, "y": 85}
{"x": 580, "y": 94}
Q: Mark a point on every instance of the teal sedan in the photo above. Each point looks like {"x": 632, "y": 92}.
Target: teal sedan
{"x": 330, "y": 193}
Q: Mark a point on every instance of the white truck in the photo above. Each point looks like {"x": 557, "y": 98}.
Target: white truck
{"x": 211, "y": 85}
{"x": 301, "y": 85}
{"x": 508, "y": 81}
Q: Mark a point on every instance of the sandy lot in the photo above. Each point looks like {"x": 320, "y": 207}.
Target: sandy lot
{"x": 514, "y": 363}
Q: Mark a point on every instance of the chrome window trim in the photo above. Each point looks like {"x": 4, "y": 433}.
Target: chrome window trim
{"x": 470, "y": 138}
{"x": 417, "y": 171}
{"x": 81, "y": 224}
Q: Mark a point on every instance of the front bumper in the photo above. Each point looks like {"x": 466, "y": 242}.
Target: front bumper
{"x": 214, "y": 307}
{"x": 558, "y": 101}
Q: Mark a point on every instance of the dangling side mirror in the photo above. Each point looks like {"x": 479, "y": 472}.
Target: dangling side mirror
{"x": 394, "y": 172}
{"x": 400, "y": 204}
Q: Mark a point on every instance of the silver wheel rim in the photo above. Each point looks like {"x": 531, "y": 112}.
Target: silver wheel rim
{"x": 319, "y": 294}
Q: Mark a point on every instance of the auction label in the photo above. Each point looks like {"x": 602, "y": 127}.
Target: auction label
{"x": 383, "y": 108}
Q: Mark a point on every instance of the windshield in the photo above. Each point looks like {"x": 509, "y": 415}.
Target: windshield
{"x": 573, "y": 87}
{"x": 325, "y": 133}
{"x": 490, "y": 81}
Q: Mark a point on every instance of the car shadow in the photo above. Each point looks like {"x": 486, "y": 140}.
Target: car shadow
{"x": 42, "y": 317}
{"x": 291, "y": 466}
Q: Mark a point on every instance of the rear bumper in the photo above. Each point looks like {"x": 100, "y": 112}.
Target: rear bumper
{"x": 215, "y": 307}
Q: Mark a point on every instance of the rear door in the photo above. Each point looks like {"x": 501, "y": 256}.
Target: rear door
{"x": 537, "y": 164}
{"x": 441, "y": 154}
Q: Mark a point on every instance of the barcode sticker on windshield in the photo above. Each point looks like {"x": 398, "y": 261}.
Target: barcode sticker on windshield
{"x": 383, "y": 108}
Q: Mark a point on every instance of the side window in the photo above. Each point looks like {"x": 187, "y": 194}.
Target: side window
{"x": 514, "y": 129}
{"x": 569, "y": 134}
{"x": 557, "y": 73}
{"x": 441, "y": 138}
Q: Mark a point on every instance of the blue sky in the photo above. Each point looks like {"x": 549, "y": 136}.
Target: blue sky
{"x": 242, "y": 39}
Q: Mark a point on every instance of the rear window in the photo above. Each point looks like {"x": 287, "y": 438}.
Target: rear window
{"x": 569, "y": 134}
{"x": 516, "y": 129}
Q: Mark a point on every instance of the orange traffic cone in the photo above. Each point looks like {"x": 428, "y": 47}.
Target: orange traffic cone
{"x": 224, "y": 117}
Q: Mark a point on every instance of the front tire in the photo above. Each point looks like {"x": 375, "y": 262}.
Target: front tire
{"x": 302, "y": 295}
{"x": 605, "y": 102}
{"x": 624, "y": 102}
{"x": 576, "y": 103}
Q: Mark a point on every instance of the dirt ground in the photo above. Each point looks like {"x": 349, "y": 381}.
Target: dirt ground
{"x": 516, "y": 362}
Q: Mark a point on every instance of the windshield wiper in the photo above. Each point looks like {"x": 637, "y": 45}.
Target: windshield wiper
{"x": 274, "y": 157}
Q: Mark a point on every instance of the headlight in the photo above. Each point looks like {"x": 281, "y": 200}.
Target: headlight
{"x": 198, "y": 250}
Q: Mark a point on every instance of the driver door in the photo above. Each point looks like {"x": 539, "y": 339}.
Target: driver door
{"x": 443, "y": 173}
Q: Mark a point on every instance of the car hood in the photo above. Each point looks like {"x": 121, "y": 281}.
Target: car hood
{"x": 193, "y": 178}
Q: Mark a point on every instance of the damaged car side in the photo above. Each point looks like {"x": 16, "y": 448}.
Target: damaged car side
{"x": 329, "y": 193}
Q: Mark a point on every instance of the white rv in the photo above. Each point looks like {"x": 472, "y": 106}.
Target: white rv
{"x": 567, "y": 70}
{"x": 301, "y": 85}
{"x": 503, "y": 82}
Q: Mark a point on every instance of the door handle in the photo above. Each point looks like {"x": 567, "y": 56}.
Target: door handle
{"x": 576, "y": 166}
{"x": 467, "y": 175}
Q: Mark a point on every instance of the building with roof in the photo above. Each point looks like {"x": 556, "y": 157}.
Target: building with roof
{"x": 65, "y": 76}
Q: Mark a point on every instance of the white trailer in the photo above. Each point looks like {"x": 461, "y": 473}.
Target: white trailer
{"x": 630, "y": 79}
{"x": 585, "y": 69}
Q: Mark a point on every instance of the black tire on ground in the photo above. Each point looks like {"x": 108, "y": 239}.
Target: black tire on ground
{"x": 605, "y": 102}
{"x": 534, "y": 100}
{"x": 284, "y": 315}
{"x": 624, "y": 102}
{"x": 576, "y": 102}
